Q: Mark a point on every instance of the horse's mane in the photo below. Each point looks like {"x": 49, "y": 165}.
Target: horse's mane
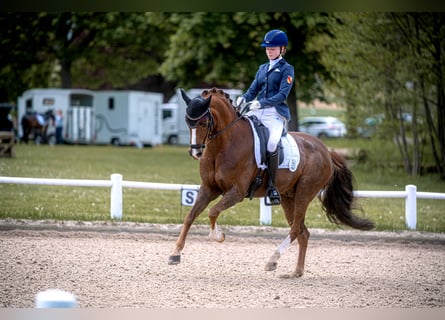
{"x": 220, "y": 92}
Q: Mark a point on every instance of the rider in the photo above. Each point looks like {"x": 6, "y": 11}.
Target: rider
{"x": 271, "y": 86}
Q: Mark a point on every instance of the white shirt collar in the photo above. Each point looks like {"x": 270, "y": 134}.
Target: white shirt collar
{"x": 274, "y": 62}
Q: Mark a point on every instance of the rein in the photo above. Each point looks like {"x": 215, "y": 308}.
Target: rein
{"x": 213, "y": 136}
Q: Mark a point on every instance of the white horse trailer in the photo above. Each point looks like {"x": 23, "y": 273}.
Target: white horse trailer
{"x": 76, "y": 106}
{"x": 128, "y": 117}
{"x": 169, "y": 123}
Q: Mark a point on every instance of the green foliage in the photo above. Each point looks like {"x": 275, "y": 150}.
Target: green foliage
{"x": 371, "y": 63}
{"x": 167, "y": 164}
{"x": 383, "y": 63}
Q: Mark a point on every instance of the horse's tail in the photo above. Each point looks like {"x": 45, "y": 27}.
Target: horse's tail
{"x": 338, "y": 199}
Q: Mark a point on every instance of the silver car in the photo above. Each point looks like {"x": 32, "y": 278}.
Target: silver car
{"x": 323, "y": 127}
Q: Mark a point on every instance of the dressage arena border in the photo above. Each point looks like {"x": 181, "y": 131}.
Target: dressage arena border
{"x": 116, "y": 183}
{"x": 118, "y": 264}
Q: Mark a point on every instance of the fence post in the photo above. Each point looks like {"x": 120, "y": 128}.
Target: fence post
{"x": 265, "y": 213}
{"x": 411, "y": 206}
{"x": 116, "y": 196}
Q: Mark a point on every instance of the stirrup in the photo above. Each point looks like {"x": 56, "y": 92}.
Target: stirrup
{"x": 272, "y": 197}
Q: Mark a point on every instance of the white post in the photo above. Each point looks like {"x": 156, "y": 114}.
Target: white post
{"x": 411, "y": 206}
{"x": 265, "y": 213}
{"x": 116, "y": 196}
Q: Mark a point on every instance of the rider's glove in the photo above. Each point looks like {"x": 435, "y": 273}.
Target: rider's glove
{"x": 240, "y": 101}
{"x": 254, "y": 105}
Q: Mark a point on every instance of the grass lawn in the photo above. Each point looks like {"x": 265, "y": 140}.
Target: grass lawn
{"x": 170, "y": 164}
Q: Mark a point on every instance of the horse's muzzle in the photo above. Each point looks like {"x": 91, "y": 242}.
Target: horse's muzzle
{"x": 195, "y": 151}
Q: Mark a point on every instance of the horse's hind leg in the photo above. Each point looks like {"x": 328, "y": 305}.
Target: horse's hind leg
{"x": 302, "y": 234}
{"x": 295, "y": 211}
{"x": 288, "y": 205}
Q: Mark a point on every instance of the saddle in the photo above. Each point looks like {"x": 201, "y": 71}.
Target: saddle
{"x": 40, "y": 118}
{"x": 288, "y": 152}
{"x": 263, "y": 136}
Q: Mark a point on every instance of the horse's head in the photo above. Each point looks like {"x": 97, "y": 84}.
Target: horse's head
{"x": 207, "y": 116}
{"x": 199, "y": 120}
{"x": 49, "y": 114}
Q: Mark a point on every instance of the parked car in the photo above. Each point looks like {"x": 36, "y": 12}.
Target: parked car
{"x": 323, "y": 127}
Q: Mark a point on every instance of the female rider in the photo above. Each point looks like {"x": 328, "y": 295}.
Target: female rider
{"x": 271, "y": 86}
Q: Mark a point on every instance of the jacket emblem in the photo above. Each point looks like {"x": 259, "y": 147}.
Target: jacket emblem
{"x": 289, "y": 79}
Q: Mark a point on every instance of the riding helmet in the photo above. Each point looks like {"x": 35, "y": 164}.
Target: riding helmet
{"x": 275, "y": 38}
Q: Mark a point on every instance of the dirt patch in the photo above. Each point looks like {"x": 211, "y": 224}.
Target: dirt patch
{"x": 117, "y": 265}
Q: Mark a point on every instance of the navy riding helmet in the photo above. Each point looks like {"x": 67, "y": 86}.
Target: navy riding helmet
{"x": 275, "y": 38}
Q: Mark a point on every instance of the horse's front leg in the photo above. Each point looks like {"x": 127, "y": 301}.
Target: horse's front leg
{"x": 204, "y": 197}
{"x": 229, "y": 199}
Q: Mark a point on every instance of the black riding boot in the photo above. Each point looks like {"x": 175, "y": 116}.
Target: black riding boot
{"x": 272, "y": 192}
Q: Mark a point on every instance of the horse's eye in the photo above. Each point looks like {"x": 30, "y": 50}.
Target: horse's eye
{"x": 202, "y": 123}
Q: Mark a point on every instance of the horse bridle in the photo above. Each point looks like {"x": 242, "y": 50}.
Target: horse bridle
{"x": 196, "y": 121}
{"x": 207, "y": 115}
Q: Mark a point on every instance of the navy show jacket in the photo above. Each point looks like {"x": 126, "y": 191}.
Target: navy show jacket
{"x": 272, "y": 87}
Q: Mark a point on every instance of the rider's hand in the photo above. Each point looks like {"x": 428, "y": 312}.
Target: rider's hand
{"x": 240, "y": 101}
{"x": 254, "y": 105}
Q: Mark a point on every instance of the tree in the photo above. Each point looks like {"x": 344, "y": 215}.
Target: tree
{"x": 374, "y": 58}
{"x": 128, "y": 47}
{"x": 70, "y": 49}
{"x": 425, "y": 34}
{"x": 21, "y": 39}
{"x": 224, "y": 49}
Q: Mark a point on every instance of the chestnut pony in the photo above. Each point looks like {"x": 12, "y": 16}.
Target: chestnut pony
{"x": 222, "y": 140}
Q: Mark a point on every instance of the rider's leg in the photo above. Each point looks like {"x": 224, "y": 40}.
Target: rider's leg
{"x": 275, "y": 132}
{"x": 275, "y": 123}
{"x": 272, "y": 192}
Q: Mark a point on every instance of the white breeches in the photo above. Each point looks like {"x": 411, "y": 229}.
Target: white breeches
{"x": 274, "y": 122}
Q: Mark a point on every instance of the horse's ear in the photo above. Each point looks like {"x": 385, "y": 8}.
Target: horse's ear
{"x": 185, "y": 97}
{"x": 207, "y": 101}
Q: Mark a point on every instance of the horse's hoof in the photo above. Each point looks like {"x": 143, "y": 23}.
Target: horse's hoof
{"x": 217, "y": 236}
{"x": 174, "y": 260}
{"x": 271, "y": 266}
{"x": 291, "y": 275}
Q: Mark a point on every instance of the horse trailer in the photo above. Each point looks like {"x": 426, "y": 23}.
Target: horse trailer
{"x": 182, "y": 130}
{"x": 76, "y": 106}
{"x": 169, "y": 123}
{"x": 128, "y": 117}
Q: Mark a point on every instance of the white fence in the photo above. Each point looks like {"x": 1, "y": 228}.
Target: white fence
{"x": 116, "y": 184}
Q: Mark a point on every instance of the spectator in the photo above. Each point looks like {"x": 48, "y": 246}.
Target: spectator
{"x": 59, "y": 127}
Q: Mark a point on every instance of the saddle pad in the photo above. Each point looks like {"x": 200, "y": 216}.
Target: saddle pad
{"x": 291, "y": 153}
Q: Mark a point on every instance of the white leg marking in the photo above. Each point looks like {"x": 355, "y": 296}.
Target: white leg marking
{"x": 284, "y": 245}
{"x": 216, "y": 234}
{"x": 273, "y": 260}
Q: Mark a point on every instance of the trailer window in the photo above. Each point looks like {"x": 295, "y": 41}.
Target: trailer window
{"x": 110, "y": 103}
{"x": 48, "y": 101}
{"x": 167, "y": 113}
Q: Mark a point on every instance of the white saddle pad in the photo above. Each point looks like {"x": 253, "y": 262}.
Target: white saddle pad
{"x": 290, "y": 151}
